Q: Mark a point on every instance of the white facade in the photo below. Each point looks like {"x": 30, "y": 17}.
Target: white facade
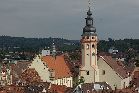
{"x": 44, "y": 73}
{"x": 67, "y": 81}
{"x": 41, "y": 68}
{"x": 46, "y": 52}
{"x": 89, "y": 67}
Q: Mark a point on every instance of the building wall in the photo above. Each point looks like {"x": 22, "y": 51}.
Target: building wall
{"x": 110, "y": 76}
{"x": 89, "y": 59}
{"x": 88, "y": 78}
{"x": 41, "y": 69}
{"x": 67, "y": 81}
{"x": 44, "y": 73}
{"x": 125, "y": 82}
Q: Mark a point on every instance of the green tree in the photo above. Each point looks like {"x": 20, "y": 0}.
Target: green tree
{"x": 81, "y": 80}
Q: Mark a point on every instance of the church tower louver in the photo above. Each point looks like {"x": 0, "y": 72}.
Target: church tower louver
{"x": 89, "y": 40}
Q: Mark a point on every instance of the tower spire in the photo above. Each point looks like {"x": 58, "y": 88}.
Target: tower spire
{"x": 89, "y": 4}
{"x": 89, "y": 28}
{"x": 53, "y": 49}
{"x": 89, "y": 68}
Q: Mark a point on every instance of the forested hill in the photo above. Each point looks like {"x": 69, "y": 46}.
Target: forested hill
{"x": 121, "y": 45}
{"x": 9, "y": 43}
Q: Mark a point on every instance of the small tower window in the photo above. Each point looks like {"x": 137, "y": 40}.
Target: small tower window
{"x": 92, "y": 37}
{"x": 87, "y": 37}
{"x": 87, "y": 46}
{"x": 93, "y": 45}
{"x": 87, "y": 72}
{"x": 93, "y": 54}
{"x": 83, "y": 37}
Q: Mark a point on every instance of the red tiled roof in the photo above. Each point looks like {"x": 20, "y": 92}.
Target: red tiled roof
{"x": 116, "y": 66}
{"x": 58, "y": 88}
{"x": 58, "y": 64}
{"x": 31, "y": 75}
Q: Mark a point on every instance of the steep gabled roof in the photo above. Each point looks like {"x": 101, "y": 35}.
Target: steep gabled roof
{"x": 117, "y": 66}
{"x": 58, "y": 64}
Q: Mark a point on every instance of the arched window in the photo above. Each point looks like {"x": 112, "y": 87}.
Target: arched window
{"x": 87, "y": 37}
{"x": 93, "y": 37}
{"x": 93, "y": 45}
{"x": 87, "y": 46}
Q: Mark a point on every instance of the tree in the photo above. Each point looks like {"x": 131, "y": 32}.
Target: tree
{"x": 81, "y": 80}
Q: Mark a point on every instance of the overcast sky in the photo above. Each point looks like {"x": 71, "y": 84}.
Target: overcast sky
{"x": 116, "y": 19}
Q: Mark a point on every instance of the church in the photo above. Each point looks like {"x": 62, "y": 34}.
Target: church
{"x": 99, "y": 68}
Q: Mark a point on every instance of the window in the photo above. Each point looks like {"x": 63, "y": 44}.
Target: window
{"x": 87, "y": 37}
{"x": 64, "y": 80}
{"x": 87, "y": 46}
{"x": 93, "y": 45}
{"x": 88, "y": 91}
{"x": 87, "y": 72}
{"x": 92, "y": 37}
{"x": 93, "y": 54}
{"x": 82, "y": 46}
{"x": 103, "y": 72}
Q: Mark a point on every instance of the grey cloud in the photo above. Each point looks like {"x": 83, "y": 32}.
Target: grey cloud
{"x": 65, "y": 18}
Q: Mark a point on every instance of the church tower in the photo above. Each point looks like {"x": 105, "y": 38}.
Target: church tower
{"x": 89, "y": 40}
